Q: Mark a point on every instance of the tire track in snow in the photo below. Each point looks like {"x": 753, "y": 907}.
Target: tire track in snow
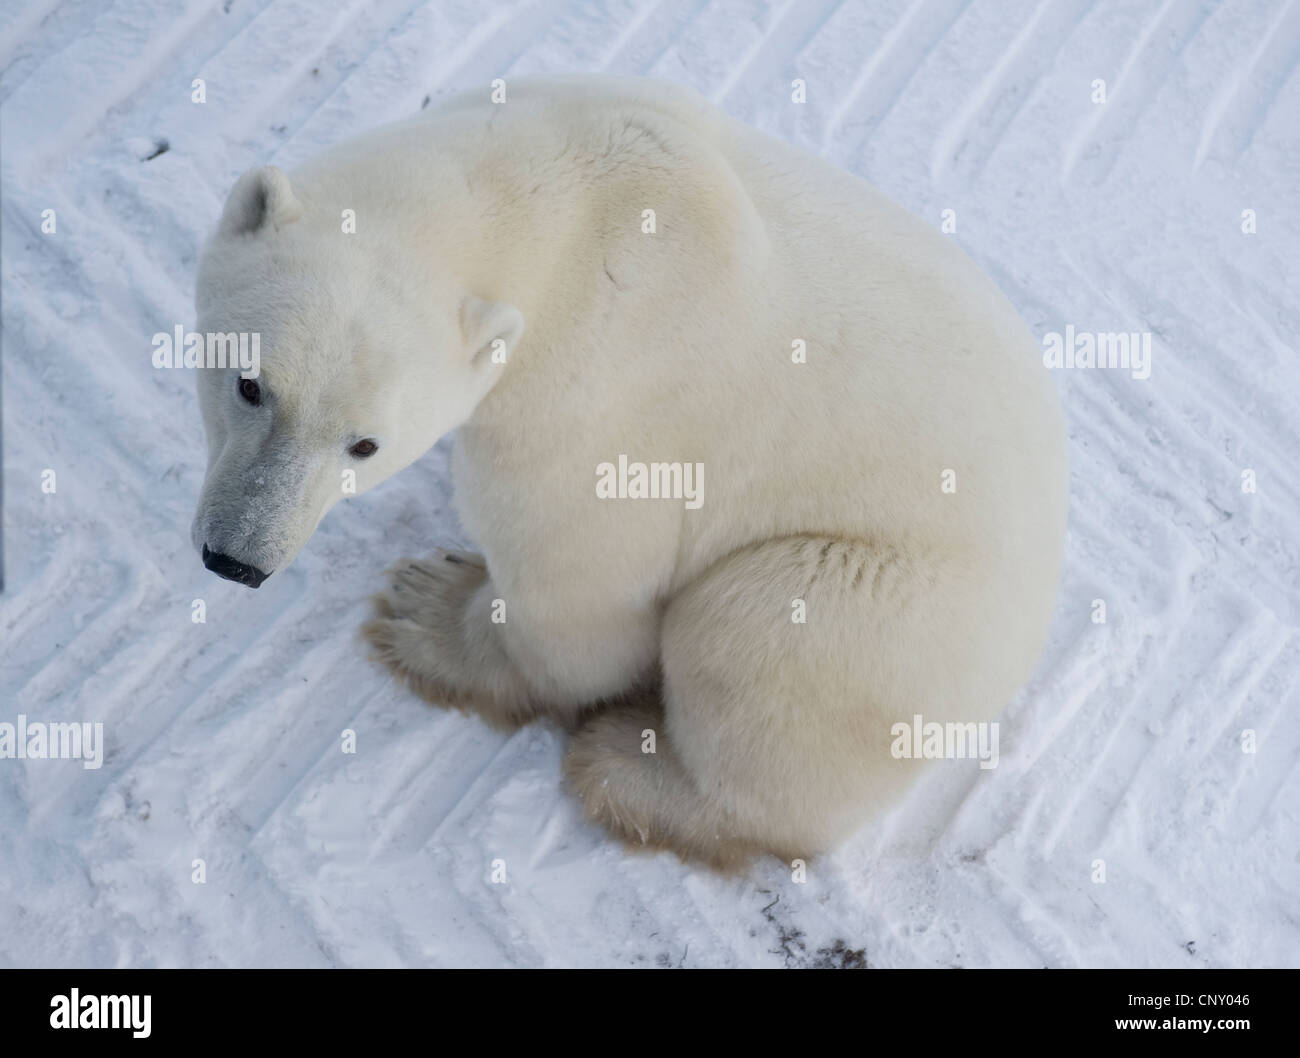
{"x": 965, "y": 143}
{"x": 1150, "y": 62}
{"x": 898, "y": 58}
{"x": 1241, "y": 107}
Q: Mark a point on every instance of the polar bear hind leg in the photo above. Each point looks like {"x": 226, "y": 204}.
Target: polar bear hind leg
{"x": 771, "y": 733}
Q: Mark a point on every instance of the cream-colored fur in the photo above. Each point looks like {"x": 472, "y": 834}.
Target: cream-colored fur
{"x": 523, "y": 221}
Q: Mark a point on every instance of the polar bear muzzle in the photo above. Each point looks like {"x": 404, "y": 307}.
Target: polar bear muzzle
{"x": 233, "y": 569}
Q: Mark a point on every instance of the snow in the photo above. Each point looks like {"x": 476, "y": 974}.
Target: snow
{"x": 224, "y": 738}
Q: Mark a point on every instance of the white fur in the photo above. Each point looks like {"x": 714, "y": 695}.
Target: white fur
{"x": 523, "y": 221}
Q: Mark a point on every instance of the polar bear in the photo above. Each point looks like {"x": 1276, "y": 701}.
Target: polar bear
{"x": 599, "y": 281}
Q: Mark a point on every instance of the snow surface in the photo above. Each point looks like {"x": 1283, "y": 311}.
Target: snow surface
{"x": 224, "y": 738}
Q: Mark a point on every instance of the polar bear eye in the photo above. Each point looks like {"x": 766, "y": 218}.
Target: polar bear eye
{"x": 364, "y": 448}
{"x": 250, "y": 391}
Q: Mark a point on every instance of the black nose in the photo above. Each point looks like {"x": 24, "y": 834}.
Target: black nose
{"x": 233, "y": 569}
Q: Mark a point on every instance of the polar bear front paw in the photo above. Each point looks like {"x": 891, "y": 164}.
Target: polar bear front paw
{"x": 433, "y": 592}
{"x": 419, "y": 632}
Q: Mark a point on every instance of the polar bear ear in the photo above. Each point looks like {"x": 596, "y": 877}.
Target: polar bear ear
{"x": 492, "y": 329}
{"x": 260, "y": 197}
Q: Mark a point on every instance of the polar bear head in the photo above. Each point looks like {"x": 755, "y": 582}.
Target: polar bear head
{"x": 369, "y": 352}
